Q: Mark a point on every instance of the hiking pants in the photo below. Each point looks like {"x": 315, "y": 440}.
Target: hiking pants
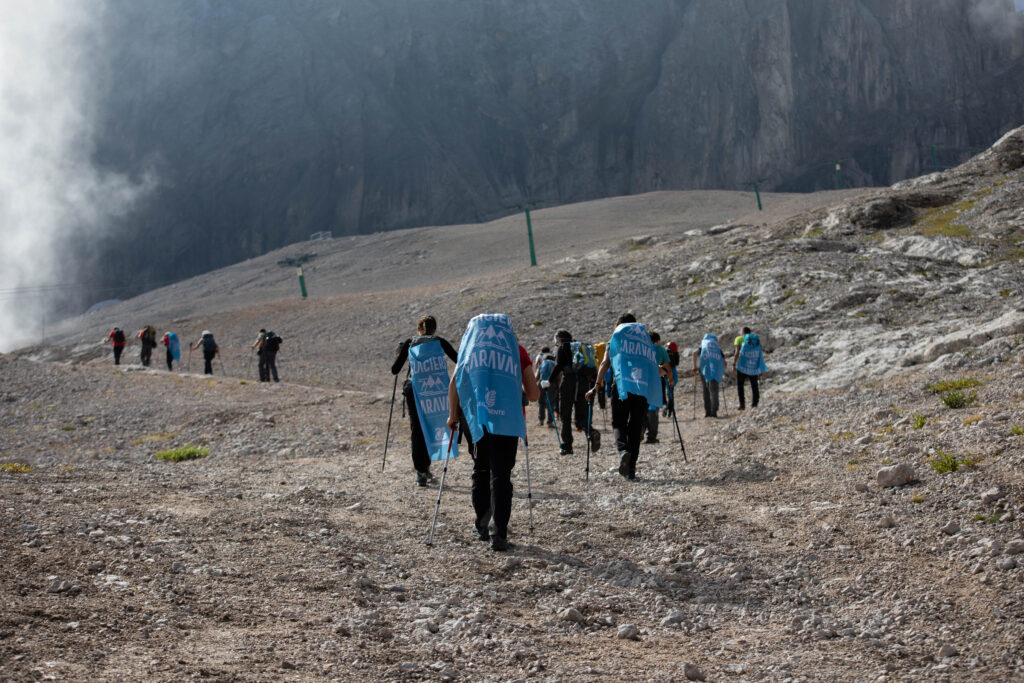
{"x": 270, "y": 365}
{"x": 261, "y": 365}
{"x": 208, "y": 357}
{"x": 600, "y": 397}
{"x": 170, "y": 360}
{"x": 652, "y": 425}
{"x": 494, "y": 456}
{"x": 566, "y": 401}
{"x": 628, "y": 425}
{"x": 420, "y": 455}
{"x": 710, "y": 397}
{"x": 755, "y": 394}
{"x": 546, "y": 404}
{"x": 117, "y": 354}
{"x": 146, "y": 355}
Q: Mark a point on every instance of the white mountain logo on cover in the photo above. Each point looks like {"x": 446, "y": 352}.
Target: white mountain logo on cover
{"x": 636, "y": 331}
{"x": 492, "y": 398}
{"x": 432, "y": 385}
{"x": 494, "y": 338}
{"x": 637, "y": 374}
{"x": 439, "y": 434}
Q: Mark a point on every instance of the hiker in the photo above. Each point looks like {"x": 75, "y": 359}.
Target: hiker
{"x": 635, "y": 386}
{"x": 709, "y": 361}
{"x": 426, "y": 328}
{"x": 271, "y": 345}
{"x": 170, "y": 340}
{"x": 545, "y": 364}
{"x": 661, "y": 355}
{"x": 600, "y": 349}
{"x": 257, "y": 345}
{"x": 673, "y": 359}
{"x": 147, "y": 335}
{"x": 210, "y": 350}
{"x": 748, "y": 364}
{"x": 117, "y": 339}
{"x": 492, "y": 376}
{"x": 576, "y": 372}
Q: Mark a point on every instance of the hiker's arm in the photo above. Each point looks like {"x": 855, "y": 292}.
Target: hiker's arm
{"x": 530, "y": 385}
{"x": 448, "y": 349}
{"x": 453, "y": 404}
{"x": 563, "y": 359}
{"x": 601, "y": 372}
{"x": 403, "y": 354}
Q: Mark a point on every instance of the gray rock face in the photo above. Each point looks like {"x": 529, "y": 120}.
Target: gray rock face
{"x": 267, "y": 121}
{"x": 896, "y": 475}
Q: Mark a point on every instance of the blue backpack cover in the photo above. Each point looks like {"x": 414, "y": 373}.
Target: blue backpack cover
{"x": 489, "y": 377}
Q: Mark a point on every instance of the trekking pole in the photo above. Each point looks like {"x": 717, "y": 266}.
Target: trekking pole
{"x": 725, "y": 401}
{"x": 529, "y": 491}
{"x": 680, "y": 435}
{"x": 558, "y": 437}
{"x": 444, "y": 472}
{"x": 695, "y": 396}
{"x": 590, "y": 417}
{"x": 387, "y": 434}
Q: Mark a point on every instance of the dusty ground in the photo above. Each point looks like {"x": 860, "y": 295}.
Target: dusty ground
{"x": 771, "y": 554}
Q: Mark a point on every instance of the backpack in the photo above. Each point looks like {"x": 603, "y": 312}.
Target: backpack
{"x": 583, "y": 356}
{"x": 119, "y": 337}
{"x": 546, "y": 367}
{"x": 209, "y": 345}
{"x": 272, "y": 343}
{"x": 673, "y": 358}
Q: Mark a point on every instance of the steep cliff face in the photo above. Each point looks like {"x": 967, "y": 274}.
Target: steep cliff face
{"x": 266, "y": 121}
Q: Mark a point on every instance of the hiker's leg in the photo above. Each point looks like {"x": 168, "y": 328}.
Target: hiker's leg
{"x": 503, "y": 459}
{"x": 707, "y": 397}
{"x": 420, "y": 455}
{"x": 567, "y": 397}
{"x": 755, "y": 394}
{"x": 580, "y": 404}
{"x": 713, "y": 387}
{"x": 117, "y": 354}
{"x": 620, "y": 420}
{"x": 261, "y": 364}
{"x": 740, "y": 379}
{"x": 636, "y": 407}
{"x": 272, "y": 366}
{"x": 652, "y": 426}
{"x": 481, "y": 491}
{"x": 170, "y": 360}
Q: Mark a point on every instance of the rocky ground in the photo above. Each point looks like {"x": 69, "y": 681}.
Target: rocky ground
{"x": 851, "y": 527}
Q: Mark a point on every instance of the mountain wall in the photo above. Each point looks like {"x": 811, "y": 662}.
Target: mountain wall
{"x": 265, "y": 120}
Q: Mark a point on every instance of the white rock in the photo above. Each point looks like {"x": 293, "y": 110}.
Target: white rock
{"x": 951, "y": 528}
{"x": 947, "y": 650}
{"x": 896, "y": 475}
{"x": 571, "y": 614}
{"x": 693, "y": 672}
{"x": 627, "y": 632}
{"x": 1014, "y": 547}
{"x": 1006, "y": 563}
{"x": 676, "y": 616}
{"x": 991, "y": 496}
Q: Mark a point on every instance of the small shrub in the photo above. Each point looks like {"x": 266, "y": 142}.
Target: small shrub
{"x": 944, "y": 462}
{"x": 957, "y": 399}
{"x": 842, "y": 436}
{"x": 953, "y": 384}
{"x": 68, "y": 428}
{"x": 973, "y": 419}
{"x": 919, "y": 421}
{"x": 183, "y": 453}
{"x": 1017, "y": 431}
{"x": 917, "y": 499}
{"x": 16, "y": 468}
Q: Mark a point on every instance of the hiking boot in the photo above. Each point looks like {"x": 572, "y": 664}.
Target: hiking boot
{"x": 624, "y": 465}
{"x": 631, "y": 476}
{"x": 482, "y": 534}
{"x": 565, "y": 451}
{"x": 421, "y": 478}
{"x": 430, "y": 476}
{"x": 651, "y": 440}
{"x": 499, "y": 544}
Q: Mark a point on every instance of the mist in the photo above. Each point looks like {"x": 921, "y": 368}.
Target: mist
{"x": 50, "y": 192}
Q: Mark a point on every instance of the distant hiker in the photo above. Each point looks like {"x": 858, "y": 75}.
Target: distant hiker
{"x": 170, "y": 340}
{"x": 748, "y": 363}
{"x": 636, "y": 385}
{"x": 210, "y": 350}
{"x": 428, "y": 358}
{"x": 576, "y": 371}
{"x": 708, "y": 360}
{"x": 117, "y": 339}
{"x": 665, "y": 366}
{"x": 147, "y": 335}
{"x": 492, "y": 376}
{"x": 271, "y": 345}
{"x": 673, "y": 359}
{"x": 545, "y": 365}
{"x": 257, "y": 345}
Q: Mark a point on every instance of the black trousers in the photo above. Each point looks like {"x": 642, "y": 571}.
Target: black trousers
{"x": 754, "y": 393}
{"x": 146, "y": 355}
{"x": 269, "y": 366}
{"x": 710, "y": 397}
{"x": 117, "y": 354}
{"x": 494, "y": 456}
{"x": 208, "y": 357}
{"x": 170, "y": 360}
{"x": 420, "y": 456}
{"x": 572, "y": 404}
{"x": 261, "y": 366}
{"x": 628, "y": 417}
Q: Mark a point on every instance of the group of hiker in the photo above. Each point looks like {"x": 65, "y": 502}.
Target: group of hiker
{"x": 266, "y": 346}
{"x": 484, "y": 401}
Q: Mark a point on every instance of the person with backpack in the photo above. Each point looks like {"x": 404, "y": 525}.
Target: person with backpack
{"x": 426, "y": 333}
{"x": 210, "y": 350}
{"x": 117, "y": 340}
{"x": 673, "y": 359}
{"x": 271, "y": 345}
{"x": 661, "y": 355}
{"x": 575, "y": 371}
{"x": 170, "y": 340}
{"x": 636, "y": 386}
{"x": 147, "y": 335}
{"x": 257, "y": 345}
{"x": 748, "y": 364}
{"x": 545, "y": 364}
{"x": 491, "y": 378}
{"x": 710, "y": 362}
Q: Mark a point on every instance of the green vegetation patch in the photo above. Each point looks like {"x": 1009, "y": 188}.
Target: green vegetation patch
{"x": 16, "y": 468}
{"x": 183, "y": 453}
{"x": 919, "y": 421}
{"x": 945, "y": 463}
{"x": 957, "y": 399}
{"x": 949, "y": 385}
{"x": 942, "y": 221}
